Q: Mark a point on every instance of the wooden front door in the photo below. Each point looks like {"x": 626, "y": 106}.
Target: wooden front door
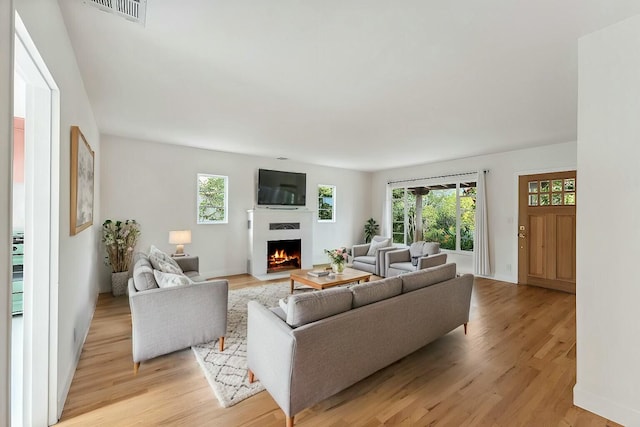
{"x": 547, "y": 230}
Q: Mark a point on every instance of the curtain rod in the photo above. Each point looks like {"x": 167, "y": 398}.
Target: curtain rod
{"x": 435, "y": 177}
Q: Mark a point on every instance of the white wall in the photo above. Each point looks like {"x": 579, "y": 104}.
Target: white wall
{"x": 155, "y": 184}
{"x": 6, "y": 155}
{"x": 79, "y": 259}
{"x": 502, "y": 195}
{"x": 608, "y": 294}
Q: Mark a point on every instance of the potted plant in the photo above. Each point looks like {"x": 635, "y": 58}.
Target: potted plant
{"x": 119, "y": 239}
{"x": 370, "y": 229}
{"x": 338, "y": 258}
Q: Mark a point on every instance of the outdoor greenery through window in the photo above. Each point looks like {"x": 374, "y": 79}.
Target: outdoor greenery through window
{"x": 212, "y": 199}
{"x": 442, "y": 213}
{"x": 326, "y": 203}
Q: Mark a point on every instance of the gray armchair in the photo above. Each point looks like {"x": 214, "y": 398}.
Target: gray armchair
{"x": 372, "y": 260}
{"x": 164, "y": 320}
{"x": 418, "y": 256}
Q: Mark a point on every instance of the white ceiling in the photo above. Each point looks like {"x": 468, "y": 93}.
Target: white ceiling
{"x": 365, "y": 85}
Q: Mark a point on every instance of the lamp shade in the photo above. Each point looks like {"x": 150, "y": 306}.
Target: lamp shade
{"x": 180, "y": 237}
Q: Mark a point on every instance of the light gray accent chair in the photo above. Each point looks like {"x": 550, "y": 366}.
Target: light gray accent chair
{"x": 320, "y": 345}
{"x": 366, "y": 258}
{"x": 424, "y": 254}
{"x": 164, "y": 320}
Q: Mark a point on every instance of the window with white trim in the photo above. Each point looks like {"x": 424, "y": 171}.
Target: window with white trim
{"x": 442, "y": 213}
{"x": 326, "y": 203}
{"x": 212, "y": 199}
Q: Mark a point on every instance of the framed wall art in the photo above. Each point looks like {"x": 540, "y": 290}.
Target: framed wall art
{"x": 82, "y": 159}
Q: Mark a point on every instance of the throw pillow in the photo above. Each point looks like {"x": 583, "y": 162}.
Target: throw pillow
{"x": 167, "y": 267}
{"x": 377, "y": 244}
{"x": 416, "y": 249}
{"x": 156, "y": 255}
{"x": 168, "y": 280}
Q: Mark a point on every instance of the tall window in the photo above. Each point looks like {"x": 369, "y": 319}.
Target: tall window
{"x": 212, "y": 199}
{"x": 326, "y": 203}
{"x": 442, "y": 213}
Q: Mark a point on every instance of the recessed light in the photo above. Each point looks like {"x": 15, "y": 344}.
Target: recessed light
{"x": 282, "y": 158}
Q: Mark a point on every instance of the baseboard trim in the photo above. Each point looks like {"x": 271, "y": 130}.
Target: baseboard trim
{"x": 62, "y": 396}
{"x": 604, "y": 407}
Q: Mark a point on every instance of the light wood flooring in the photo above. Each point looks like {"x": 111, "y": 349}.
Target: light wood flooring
{"x": 515, "y": 367}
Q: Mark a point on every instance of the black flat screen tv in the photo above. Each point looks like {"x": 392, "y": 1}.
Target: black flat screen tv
{"x": 279, "y": 188}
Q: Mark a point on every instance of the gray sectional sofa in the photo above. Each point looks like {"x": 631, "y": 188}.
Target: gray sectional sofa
{"x": 319, "y": 343}
{"x": 167, "y": 319}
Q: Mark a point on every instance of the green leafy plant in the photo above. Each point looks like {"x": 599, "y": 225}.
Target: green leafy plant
{"x": 370, "y": 229}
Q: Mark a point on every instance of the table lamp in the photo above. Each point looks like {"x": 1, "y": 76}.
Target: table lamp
{"x": 179, "y": 238}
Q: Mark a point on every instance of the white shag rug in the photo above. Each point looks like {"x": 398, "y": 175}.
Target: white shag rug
{"x": 227, "y": 371}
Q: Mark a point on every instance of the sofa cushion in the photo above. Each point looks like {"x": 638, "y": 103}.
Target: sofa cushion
{"x": 407, "y": 266}
{"x": 427, "y": 277}
{"x": 311, "y": 306}
{"x": 366, "y": 259}
{"x": 376, "y": 243}
{"x": 156, "y": 256}
{"x": 143, "y": 278}
{"x": 168, "y": 280}
{"x": 370, "y": 292}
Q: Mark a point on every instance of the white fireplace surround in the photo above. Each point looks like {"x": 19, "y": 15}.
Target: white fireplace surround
{"x": 261, "y": 224}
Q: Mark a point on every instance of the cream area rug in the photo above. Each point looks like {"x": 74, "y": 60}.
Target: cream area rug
{"x": 227, "y": 370}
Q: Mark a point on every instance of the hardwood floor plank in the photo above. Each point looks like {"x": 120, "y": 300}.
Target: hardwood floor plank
{"x": 516, "y": 366}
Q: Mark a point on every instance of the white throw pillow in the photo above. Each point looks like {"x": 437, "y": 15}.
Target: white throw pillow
{"x": 167, "y": 267}
{"x": 156, "y": 256}
{"x": 168, "y": 280}
{"x": 377, "y": 244}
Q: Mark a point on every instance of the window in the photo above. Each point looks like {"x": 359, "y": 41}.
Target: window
{"x": 555, "y": 192}
{"x": 442, "y": 213}
{"x": 326, "y": 203}
{"x": 212, "y": 199}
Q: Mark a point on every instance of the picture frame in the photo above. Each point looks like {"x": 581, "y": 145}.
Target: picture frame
{"x": 82, "y": 181}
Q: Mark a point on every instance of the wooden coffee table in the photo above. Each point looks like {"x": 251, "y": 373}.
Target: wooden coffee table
{"x": 349, "y": 275}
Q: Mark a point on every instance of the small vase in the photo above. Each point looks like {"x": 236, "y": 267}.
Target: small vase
{"x": 119, "y": 283}
{"x": 337, "y": 268}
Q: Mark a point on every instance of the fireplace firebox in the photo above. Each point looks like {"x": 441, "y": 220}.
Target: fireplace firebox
{"x": 283, "y": 255}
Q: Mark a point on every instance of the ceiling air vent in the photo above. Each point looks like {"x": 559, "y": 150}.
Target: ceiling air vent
{"x": 133, "y": 10}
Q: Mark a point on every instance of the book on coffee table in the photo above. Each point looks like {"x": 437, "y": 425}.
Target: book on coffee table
{"x": 318, "y": 273}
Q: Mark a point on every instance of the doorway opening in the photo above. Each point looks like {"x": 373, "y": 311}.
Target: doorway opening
{"x": 35, "y": 224}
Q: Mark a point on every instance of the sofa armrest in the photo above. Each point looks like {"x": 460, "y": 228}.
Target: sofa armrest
{"x": 360, "y": 250}
{"x": 381, "y": 256}
{"x": 169, "y": 319}
{"x": 270, "y": 352}
{"x": 432, "y": 261}
{"x": 188, "y": 263}
{"x": 398, "y": 255}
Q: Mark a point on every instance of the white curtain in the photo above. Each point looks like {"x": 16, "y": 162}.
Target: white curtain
{"x": 385, "y": 226}
{"x": 482, "y": 267}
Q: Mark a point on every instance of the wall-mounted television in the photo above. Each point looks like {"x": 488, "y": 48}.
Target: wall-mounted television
{"x": 279, "y": 188}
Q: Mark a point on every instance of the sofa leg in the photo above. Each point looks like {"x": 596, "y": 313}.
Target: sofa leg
{"x": 136, "y": 366}
{"x": 252, "y": 376}
{"x": 289, "y": 421}
{"x": 465, "y": 329}
{"x": 221, "y": 343}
